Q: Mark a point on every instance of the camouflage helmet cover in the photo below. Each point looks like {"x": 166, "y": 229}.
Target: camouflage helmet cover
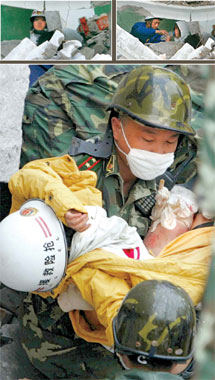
{"x": 156, "y": 97}
{"x": 157, "y": 320}
{"x": 37, "y": 13}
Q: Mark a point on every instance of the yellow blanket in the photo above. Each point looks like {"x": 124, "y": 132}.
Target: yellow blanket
{"x": 104, "y": 279}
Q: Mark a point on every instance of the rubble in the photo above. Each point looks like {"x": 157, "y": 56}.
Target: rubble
{"x": 199, "y": 53}
{"x": 21, "y": 50}
{"x": 102, "y": 57}
{"x": 59, "y": 49}
{"x": 129, "y": 47}
{"x": 70, "y": 48}
{"x": 183, "y": 53}
{"x": 14, "y": 82}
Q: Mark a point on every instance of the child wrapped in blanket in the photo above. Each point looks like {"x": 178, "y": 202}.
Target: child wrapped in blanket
{"x": 172, "y": 215}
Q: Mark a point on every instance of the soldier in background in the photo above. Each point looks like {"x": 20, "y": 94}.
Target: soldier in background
{"x": 154, "y": 331}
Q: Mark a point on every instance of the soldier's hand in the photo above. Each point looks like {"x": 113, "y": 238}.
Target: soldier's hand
{"x": 162, "y": 31}
{"x": 77, "y": 220}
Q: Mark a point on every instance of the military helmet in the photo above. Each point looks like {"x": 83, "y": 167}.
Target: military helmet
{"x": 37, "y": 13}
{"x": 156, "y": 97}
{"x": 156, "y": 320}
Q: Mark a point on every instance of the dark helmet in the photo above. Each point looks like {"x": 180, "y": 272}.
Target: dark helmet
{"x": 37, "y": 13}
{"x": 156, "y": 320}
{"x": 156, "y": 97}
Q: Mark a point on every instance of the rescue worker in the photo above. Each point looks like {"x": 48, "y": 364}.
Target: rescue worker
{"x": 154, "y": 331}
{"x": 181, "y": 31}
{"x": 148, "y": 32}
{"x": 39, "y": 32}
{"x": 150, "y": 119}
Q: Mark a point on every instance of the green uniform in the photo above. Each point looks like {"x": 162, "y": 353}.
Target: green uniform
{"x": 71, "y": 101}
{"x": 137, "y": 374}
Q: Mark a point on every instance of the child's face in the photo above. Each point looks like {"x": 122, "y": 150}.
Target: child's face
{"x": 155, "y": 241}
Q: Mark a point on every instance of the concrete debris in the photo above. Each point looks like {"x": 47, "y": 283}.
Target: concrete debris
{"x": 183, "y": 53}
{"x": 53, "y": 20}
{"x": 8, "y": 46}
{"x": 129, "y": 47}
{"x": 169, "y": 49}
{"x": 210, "y": 43}
{"x": 199, "y": 53}
{"x": 100, "y": 43}
{"x": 88, "y": 52}
{"x": 21, "y": 50}
{"x": 59, "y": 49}
{"x": 44, "y": 51}
{"x": 57, "y": 39}
{"x": 102, "y": 57}
{"x": 191, "y": 3}
{"x": 14, "y": 83}
{"x": 70, "y": 49}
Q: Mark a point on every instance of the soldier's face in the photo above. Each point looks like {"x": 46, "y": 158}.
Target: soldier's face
{"x": 140, "y": 136}
{"x": 39, "y": 23}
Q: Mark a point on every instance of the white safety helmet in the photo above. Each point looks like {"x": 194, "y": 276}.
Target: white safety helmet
{"x": 37, "y": 13}
{"x": 33, "y": 248}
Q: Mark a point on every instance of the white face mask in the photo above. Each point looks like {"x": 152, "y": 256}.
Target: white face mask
{"x": 145, "y": 164}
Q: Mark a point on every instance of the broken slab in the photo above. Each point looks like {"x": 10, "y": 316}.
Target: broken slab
{"x": 168, "y": 48}
{"x": 53, "y": 20}
{"x": 183, "y": 53}
{"x": 88, "y": 52}
{"x": 48, "y": 49}
{"x": 14, "y": 83}
{"x": 57, "y": 38}
{"x": 210, "y": 43}
{"x": 199, "y": 53}
{"x": 70, "y": 49}
{"x": 129, "y": 47}
{"x": 21, "y": 51}
{"x": 102, "y": 57}
{"x": 7, "y": 46}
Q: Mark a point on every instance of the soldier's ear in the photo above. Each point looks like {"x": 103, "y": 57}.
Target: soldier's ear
{"x": 116, "y": 127}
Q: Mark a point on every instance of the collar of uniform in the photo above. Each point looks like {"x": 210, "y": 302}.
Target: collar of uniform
{"x": 112, "y": 166}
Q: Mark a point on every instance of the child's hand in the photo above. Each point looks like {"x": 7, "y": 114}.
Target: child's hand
{"x": 76, "y": 220}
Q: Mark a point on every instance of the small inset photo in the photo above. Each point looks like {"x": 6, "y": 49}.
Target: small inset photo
{"x": 165, "y": 30}
{"x": 55, "y": 30}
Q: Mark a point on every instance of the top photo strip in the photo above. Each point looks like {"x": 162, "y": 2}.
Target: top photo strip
{"x": 56, "y": 30}
{"x": 165, "y": 30}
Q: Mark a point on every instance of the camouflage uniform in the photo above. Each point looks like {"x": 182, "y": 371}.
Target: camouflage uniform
{"x": 71, "y": 101}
